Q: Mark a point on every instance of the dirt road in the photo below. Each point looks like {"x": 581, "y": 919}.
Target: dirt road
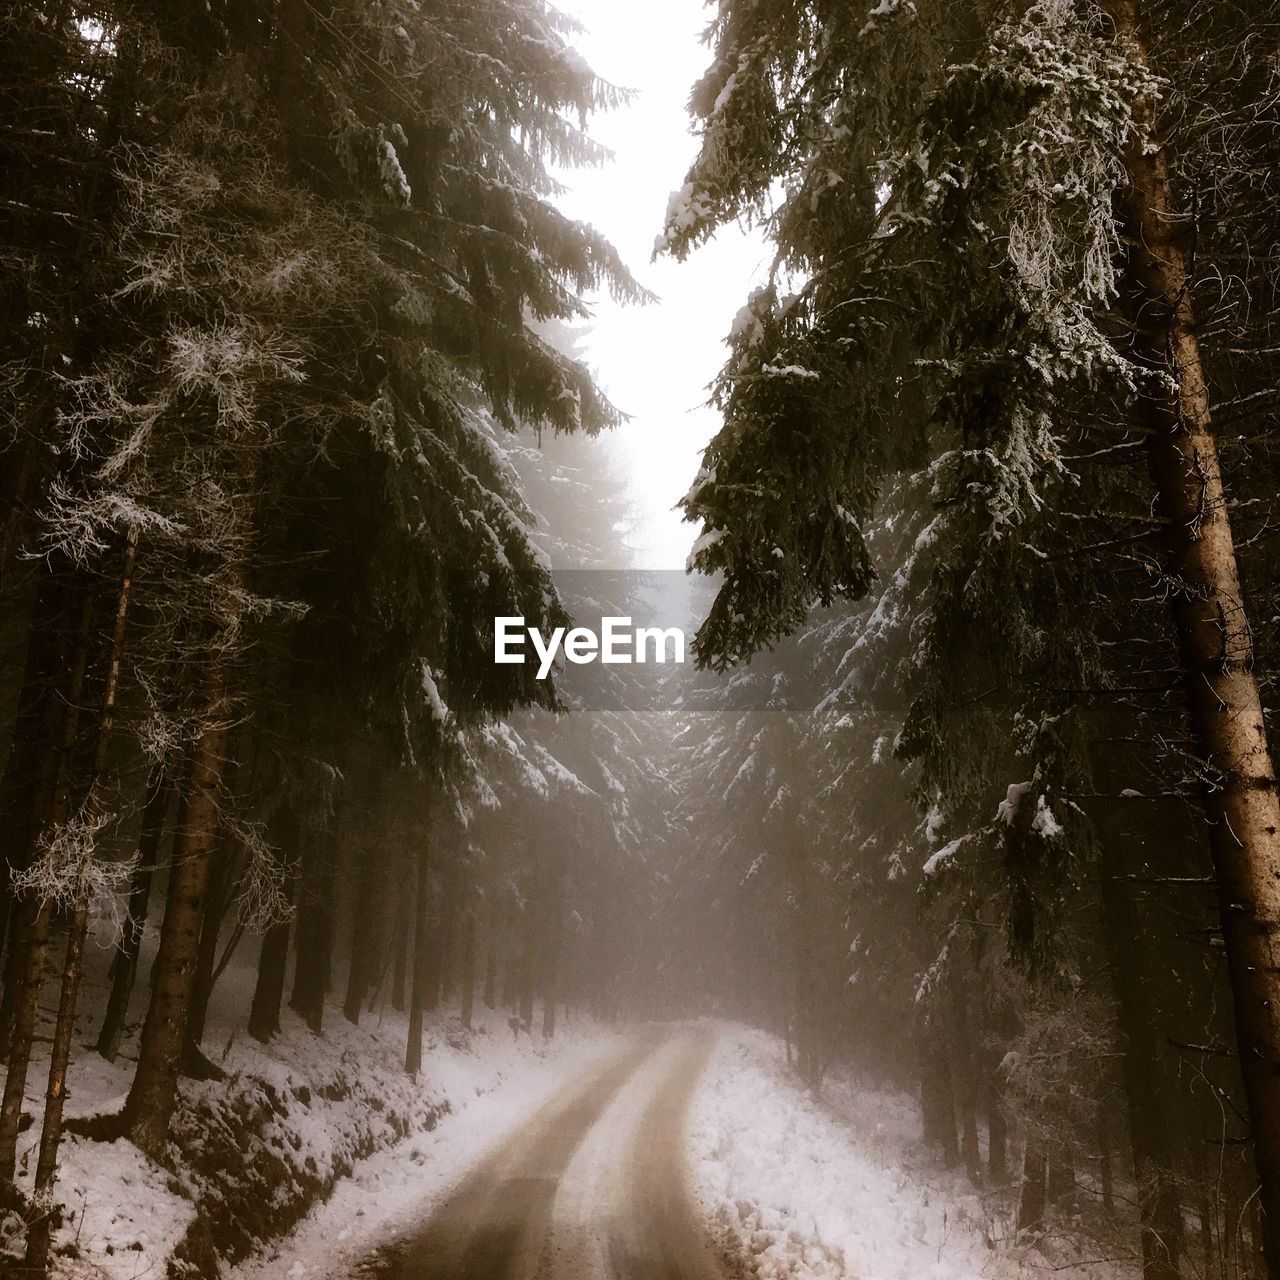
{"x": 592, "y": 1188}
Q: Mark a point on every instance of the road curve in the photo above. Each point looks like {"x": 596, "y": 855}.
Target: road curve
{"x": 593, "y": 1187}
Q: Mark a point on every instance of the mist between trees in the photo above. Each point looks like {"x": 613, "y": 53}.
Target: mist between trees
{"x": 971, "y": 787}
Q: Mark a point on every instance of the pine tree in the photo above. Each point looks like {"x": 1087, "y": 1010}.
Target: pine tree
{"x": 984, "y": 275}
{"x": 278, "y": 352}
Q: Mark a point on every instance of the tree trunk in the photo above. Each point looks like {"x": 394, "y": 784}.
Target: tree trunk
{"x": 268, "y": 991}
{"x": 314, "y": 950}
{"x": 225, "y": 877}
{"x": 1105, "y": 1173}
{"x": 1141, "y": 1071}
{"x": 124, "y": 967}
{"x": 552, "y": 943}
{"x": 528, "y": 971}
{"x": 15, "y": 502}
{"x": 1216, "y": 646}
{"x": 997, "y": 1125}
{"x": 467, "y": 960}
{"x": 970, "y": 1152}
{"x": 1032, "y": 1194}
{"x": 1061, "y": 1184}
{"x": 195, "y": 1064}
{"x": 490, "y": 963}
{"x": 433, "y": 959}
{"x": 802, "y": 966}
{"x": 965, "y": 1081}
{"x": 153, "y": 1095}
{"x": 511, "y": 957}
{"x": 273, "y": 959}
{"x": 51, "y": 1132}
{"x": 37, "y": 758}
{"x": 421, "y": 928}
{"x": 32, "y": 751}
{"x": 447, "y": 931}
{"x": 937, "y": 1099}
{"x": 360, "y": 971}
{"x": 77, "y": 927}
{"x": 36, "y": 916}
{"x": 400, "y": 967}
{"x": 1205, "y": 1216}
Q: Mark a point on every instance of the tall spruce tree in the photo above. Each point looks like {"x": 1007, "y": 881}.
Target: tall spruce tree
{"x": 270, "y": 358}
{"x": 1001, "y": 232}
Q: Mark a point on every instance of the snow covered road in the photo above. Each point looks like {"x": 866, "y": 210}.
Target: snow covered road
{"x": 685, "y": 1152}
{"x": 593, "y": 1187}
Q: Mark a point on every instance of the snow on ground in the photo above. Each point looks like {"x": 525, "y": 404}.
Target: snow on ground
{"x": 292, "y": 1121}
{"x": 125, "y": 1218}
{"x": 336, "y": 1111}
{"x": 596, "y": 1196}
{"x": 839, "y": 1188}
{"x": 493, "y": 1088}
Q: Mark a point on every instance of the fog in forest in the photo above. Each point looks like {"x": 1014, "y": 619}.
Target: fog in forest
{"x": 412, "y": 867}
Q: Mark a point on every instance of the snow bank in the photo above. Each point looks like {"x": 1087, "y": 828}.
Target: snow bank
{"x": 301, "y": 1115}
{"x": 838, "y": 1187}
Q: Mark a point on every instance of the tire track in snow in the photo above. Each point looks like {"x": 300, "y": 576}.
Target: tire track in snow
{"x": 499, "y": 1216}
{"x": 593, "y": 1188}
{"x": 662, "y": 1235}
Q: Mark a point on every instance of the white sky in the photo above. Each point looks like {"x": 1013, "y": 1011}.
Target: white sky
{"x": 655, "y": 362}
